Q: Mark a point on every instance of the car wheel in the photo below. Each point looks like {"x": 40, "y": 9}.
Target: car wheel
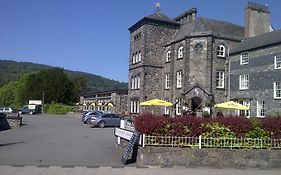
{"x": 20, "y": 112}
{"x": 101, "y": 124}
{"x": 31, "y": 113}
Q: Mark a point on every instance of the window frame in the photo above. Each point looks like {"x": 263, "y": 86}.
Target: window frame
{"x": 261, "y": 108}
{"x": 180, "y": 52}
{"x": 178, "y": 105}
{"x": 275, "y": 90}
{"x": 219, "y": 47}
{"x": 179, "y": 79}
{"x": 242, "y": 59}
{"x": 168, "y": 56}
{"x": 135, "y": 106}
{"x": 219, "y": 79}
{"x": 244, "y": 82}
{"x": 167, "y": 81}
{"x": 277, "y": 65}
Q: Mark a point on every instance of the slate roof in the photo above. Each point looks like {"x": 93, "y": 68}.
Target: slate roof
{"x": 209, "y": 25}
{"x": 156, "y": 18}
{"x": 262, "y": 40}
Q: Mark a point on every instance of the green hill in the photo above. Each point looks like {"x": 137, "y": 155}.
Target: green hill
{"x": 12, "y": 71}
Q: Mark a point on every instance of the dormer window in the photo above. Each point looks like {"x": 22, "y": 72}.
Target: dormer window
{"x": 168, "y": 56}
{"x": 221, "y": 51}
{"x": 180, "y": 52}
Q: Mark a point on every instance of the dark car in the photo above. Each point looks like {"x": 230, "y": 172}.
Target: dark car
{"x": 86, "y": 116}
{"x": 103, "y": 120}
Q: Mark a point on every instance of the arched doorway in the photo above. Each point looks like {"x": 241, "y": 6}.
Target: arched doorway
{"x": 196, "y": 104}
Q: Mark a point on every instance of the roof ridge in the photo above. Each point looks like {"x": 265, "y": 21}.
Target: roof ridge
{"x": 201, "y": 19}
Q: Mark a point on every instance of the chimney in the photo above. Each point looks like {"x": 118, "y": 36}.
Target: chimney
{"x": 257, "y": 19}
{"x": 187, "y": 16}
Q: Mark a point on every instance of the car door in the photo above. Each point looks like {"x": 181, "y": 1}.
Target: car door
{"x": 107, "y": 119}
{"x": 115, "y": 120}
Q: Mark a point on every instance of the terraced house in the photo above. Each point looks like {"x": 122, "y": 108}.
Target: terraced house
{"x": 185, "y": 60}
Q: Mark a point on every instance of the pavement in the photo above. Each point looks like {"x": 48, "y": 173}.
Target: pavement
{"x": 65, "y": 170}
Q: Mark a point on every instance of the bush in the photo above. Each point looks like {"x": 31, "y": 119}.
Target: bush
{"x": 273, "y": 126}
{"x": 257, "y": 132}
{"x": 239, "y": 125}
{"x": 216, "y": 130}
{"x": 190, "y": 126}
{"x": 59, "y": 108}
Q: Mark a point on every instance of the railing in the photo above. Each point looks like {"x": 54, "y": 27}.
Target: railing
{"x": 201, "y": 142}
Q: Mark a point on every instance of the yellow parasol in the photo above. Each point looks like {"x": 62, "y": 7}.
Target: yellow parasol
{"x": 156, "y": 102}
{"x": 93, "y": 104}
{"x": 110, "y": 104}
{"x": 231, "y": 105}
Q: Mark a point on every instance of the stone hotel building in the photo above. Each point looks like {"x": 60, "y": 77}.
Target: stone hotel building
{"x": 185, "y": 60}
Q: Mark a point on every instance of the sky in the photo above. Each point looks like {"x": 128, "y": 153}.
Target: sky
{"x": 92, "y": 35}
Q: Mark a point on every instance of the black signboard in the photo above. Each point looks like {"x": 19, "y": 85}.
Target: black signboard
{"x": 130, "y": 152}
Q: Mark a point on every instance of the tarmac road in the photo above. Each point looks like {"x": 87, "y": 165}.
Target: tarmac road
{"x": 56, "y": 140}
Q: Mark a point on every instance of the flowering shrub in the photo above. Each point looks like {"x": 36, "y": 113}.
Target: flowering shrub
{"x": 191, "y": 126}
{"x": 273, "y": 126}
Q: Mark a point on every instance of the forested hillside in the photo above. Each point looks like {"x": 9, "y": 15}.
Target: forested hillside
{"x": 12, "y": 71}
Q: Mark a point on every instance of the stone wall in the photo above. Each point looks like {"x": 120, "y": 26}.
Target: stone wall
{"x": 188, "y": 157}
{"x": 208, "y": 157}
{"x": 9, "y": 122}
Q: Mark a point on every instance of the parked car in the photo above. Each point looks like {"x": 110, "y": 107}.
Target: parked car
{"x": 86, "y": 117}
{"x": 30, "y": 109}
{"x": 103, "y": 120}
{"x": 7, "y": 110}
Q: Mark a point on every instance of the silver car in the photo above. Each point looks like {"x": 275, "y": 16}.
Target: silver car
{"x": 86, "y": 116}
{"x": 103, "y": 120}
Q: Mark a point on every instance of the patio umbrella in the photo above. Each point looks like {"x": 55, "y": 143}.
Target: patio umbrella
{"x": 93, "y": 104}
{"x": 110, "y": 104}
{"x": 231, "y": 105}
{"x": 156, "y": 102}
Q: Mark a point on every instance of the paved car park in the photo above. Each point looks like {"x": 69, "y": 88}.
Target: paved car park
{"x": 57, "y": 140}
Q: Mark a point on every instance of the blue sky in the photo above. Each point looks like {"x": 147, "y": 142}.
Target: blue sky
{"x": 92, "y": 35}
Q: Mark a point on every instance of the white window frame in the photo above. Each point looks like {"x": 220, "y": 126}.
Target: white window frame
{"x": 277, "y": 62}
{"x": 244, "y": 82}
{"x": 138, "y": 81}
{"x": 244, "y": 58}
{"x": 277, "y": 90}
{"x": 179, "y": 79}
{"x": 261, "y": 108}
{"x": 167, "y": 109}
{"x": 220, "y": 79}
{"x": 140, "y": 56}
{"x": 178, "y": 105}
{"x": 133, "y": 58}
{"x": 247, "y": 112}
{"x": 221, "y": 51}
{"x": 167, "y": 81}
{"x": 135, "y": 106}
{"x": 132, "y": 83}
{"x": 168, "y": 56}
{"x": 180, "y": 52}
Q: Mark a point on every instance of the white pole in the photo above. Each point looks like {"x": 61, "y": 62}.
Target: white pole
{"x": 143, "y": 140}
{"x": 200, "y": 139}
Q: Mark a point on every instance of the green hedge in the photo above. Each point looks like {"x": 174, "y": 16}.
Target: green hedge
{"x": 58, "y": 108}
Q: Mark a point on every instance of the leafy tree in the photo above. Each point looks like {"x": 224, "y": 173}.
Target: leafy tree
{"x": 54, "y": 83}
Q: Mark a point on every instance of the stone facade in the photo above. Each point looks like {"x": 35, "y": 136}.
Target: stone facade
{"x": 198, "y": 38}
{"x": 101, "y": 101}
{"x": 262, "y": 76}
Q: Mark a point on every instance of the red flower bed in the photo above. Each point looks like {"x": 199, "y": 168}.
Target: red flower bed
{"x": 193, "y": 126}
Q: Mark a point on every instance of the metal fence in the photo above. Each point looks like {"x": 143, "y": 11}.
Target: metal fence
{"x": 201, "y": 142}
